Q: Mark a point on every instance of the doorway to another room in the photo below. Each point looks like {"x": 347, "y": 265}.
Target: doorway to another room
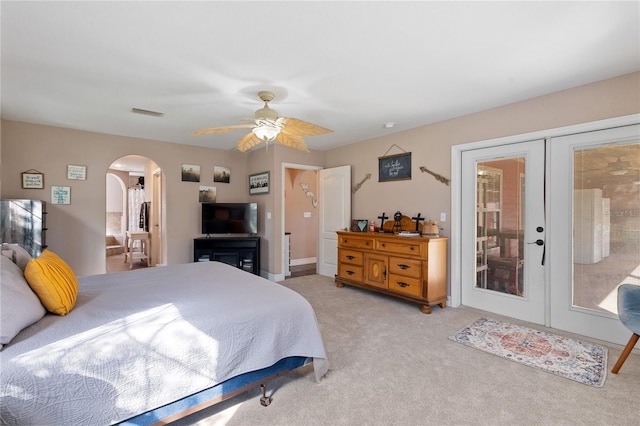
{"x": 300, "y": 220}
{"x": 133, "y": 214}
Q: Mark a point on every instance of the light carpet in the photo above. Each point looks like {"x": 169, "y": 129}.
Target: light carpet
{"x": 577, "y": 360}
{"x": 391, "y": 365}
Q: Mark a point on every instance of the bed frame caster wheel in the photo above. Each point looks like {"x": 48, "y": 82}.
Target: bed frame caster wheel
{"x": 265, "y": 401}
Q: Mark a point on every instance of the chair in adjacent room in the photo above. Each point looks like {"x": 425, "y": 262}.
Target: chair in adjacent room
{"x": 629, "y": 314}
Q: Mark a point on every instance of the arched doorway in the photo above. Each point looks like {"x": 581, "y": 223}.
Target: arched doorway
{"x": 134, "y": 204}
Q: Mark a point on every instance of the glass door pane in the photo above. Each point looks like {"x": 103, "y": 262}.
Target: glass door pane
{"x": 500, "y": 273}
{"x": 499, "y": 225}
{"x": 606, "y": 224}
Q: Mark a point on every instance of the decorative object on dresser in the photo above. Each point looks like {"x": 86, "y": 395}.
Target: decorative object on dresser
{"x": 359, "y": 225}
{"x": 412, "y": 269}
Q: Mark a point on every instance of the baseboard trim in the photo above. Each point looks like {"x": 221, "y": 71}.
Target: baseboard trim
{"x": 303, "y": 261}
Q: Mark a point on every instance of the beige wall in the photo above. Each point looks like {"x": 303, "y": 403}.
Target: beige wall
{"x": 430, "y": 146}
{"x": 76, "y": 231}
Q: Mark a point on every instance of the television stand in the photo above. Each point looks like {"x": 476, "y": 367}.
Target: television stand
{"x": 241, "y": 252}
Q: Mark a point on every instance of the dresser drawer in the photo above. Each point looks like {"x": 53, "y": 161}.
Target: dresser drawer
{"x": 350, "y": 272}
{"x": 355, "y": 242}
{"x": 405, "y": 267}
{"x": 405, "y": 285}
{"x": 351, "y": 256}
{"x": 409, "y": 247}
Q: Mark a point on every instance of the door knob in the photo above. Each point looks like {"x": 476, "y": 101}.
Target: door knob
{"x": 538, "y": 242}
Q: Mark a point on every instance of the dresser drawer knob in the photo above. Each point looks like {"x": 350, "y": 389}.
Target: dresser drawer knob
{"x": 350, "y": 272}
{"x": 350, "y": 257}
{"x": 403, "y": 284}
{"x": 403, "y": 266}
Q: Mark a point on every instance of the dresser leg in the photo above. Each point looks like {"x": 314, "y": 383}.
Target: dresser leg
{"x": 339, "y": 285}
{"x": 425, "y": 309}
{"x": 443, "y": 305}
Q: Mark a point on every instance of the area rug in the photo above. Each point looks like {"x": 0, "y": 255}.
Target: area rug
{"x": 573, "y": 359}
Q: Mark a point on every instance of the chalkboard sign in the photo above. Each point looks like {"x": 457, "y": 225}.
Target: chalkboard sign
{"x": 394, "y": 167}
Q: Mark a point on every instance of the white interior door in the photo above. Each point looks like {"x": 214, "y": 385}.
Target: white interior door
{"x": 594, "y": 229}
{"x": 503, "y": 230}
{"x": 334, "y": 188}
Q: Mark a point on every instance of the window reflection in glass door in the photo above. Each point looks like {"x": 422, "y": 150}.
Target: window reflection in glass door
{"x": 499, "y": 225}
{"x": 606, "y": 224}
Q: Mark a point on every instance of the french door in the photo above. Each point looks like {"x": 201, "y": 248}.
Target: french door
{"x": 595, "y": 224}
{"x": 550, "y": 229}
{"x": 503, "y": 230}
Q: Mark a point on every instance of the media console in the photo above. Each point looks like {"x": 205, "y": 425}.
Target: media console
{"x": 241, "y": 252}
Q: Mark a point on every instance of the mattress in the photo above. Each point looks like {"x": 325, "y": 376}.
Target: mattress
{"x": 138, "y": 340}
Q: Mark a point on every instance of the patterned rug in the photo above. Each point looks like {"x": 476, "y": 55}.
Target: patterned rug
{"x": 573, "y": 359}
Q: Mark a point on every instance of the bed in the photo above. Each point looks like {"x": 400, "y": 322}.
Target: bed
{"x": 152, "y": 345}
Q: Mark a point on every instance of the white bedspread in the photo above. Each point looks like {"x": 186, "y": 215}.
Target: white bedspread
{"x": 140, "y": 339}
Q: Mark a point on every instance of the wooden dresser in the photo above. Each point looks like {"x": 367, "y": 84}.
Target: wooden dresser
{"x": 409, "y": 268}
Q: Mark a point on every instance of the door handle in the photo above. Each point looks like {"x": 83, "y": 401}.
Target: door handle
{"x": 540, "y": 242}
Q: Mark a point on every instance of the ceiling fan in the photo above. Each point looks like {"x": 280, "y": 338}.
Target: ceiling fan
{"x": 267, "y": 127}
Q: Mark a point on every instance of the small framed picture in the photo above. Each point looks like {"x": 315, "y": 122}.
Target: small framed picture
{"x": 259, "y": 183}
{"x": 60, "y": 195}
{"x": 359, "y": 225}
{"x": 32, "y": 180}
{"x": 190, "y": 173}
{"x": 207, "y": 194}
{"x": 76, "y": 172}
{"x": 221, "y": 174}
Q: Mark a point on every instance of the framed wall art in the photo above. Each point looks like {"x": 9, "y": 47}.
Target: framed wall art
{"x": 32, "y": 179}
{"x": 190, "y": 173}
{"x": 394, "y": 167}
{"x": 76, "y": 172}
{"x": 221, "y": 174}
{"x": 207, "y": 194}
{"x": 60, "y": 195}
{"x": 259, "y": 183}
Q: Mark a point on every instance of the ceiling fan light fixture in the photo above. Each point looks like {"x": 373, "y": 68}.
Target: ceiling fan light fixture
{"x": 266, "y": 112}
{"x": 266, "y": 133}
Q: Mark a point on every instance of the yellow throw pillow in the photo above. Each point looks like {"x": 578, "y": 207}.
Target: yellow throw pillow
{"x": 53, "y": 281}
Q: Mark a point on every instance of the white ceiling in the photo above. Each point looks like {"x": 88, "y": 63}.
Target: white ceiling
{"x": 348, "y": 66}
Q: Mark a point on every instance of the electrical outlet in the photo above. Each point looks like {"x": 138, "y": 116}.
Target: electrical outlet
{"x": 443, "y": 217}
{"x": 268, "y": 215}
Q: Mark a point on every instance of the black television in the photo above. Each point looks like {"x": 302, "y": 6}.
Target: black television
{"x": 229, "y": 218}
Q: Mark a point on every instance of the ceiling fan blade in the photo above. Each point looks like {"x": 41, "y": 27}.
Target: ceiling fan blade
{"x": 294, "y": 126}
{"x": 292, "y": 141}
{"x": 222, "y": 129}
{"x": 247, "y": 142}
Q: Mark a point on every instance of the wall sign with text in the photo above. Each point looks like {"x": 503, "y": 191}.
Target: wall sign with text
{"x": 394, "y": 167}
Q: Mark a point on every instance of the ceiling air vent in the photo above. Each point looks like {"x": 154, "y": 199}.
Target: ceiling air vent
{"x": 147, "y": 112}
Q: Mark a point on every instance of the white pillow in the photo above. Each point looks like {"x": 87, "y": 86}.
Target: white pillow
{"x": 19, "y": 305}
{"x": 17, "y": 254}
